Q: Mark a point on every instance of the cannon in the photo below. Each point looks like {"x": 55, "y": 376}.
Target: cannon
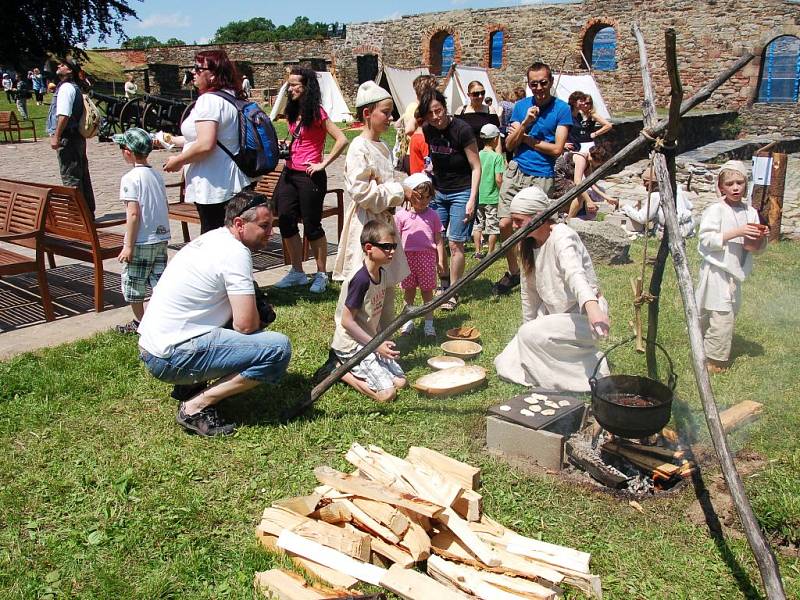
{"x": 163, "y": 114}
{"x": 115, "y": 116}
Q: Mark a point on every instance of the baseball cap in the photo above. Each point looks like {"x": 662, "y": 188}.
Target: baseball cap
{"x": 136, "y": 140}
{"x": 489, "y": 131}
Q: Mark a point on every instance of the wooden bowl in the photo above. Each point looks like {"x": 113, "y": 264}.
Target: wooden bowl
{"x": 463, "y": 333}
{"x": 451, "y": 381}
{"x": 444, "y": 362}
{"x": 461, "y": 348}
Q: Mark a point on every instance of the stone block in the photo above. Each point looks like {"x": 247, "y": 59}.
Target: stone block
{"x": 543, "y": 447}
{"x": 607, "y": 243}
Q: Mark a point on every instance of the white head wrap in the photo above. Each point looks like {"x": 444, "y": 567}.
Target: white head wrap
{"x": 530, "y": 201}
{"x": 370, "y": 92}
{"x": 412, "y": 181}
{"x": 734, "y": 165}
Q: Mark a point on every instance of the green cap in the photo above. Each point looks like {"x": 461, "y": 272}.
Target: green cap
{"x": 136, "y": 140}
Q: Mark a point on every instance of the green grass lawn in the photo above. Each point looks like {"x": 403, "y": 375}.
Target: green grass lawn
{"x": 102, "y": 495}
{"x": 38, "y": 114}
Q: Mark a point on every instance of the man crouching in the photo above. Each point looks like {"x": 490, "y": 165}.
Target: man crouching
{"x": 184, "y": 338}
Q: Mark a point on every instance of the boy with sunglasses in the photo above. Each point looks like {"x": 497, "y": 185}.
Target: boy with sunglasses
{"x": 144, "y": 253}
{"x": 358, "y": 315}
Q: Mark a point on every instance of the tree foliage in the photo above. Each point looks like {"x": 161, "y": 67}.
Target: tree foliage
{"x": 34, "y": 28}
{"x": 174, "y": 42}
{"x": 138, "y": 42}
{"x": 259, "y": 29}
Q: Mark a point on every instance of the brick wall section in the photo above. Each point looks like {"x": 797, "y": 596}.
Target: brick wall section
{"x": 771, "y": 118}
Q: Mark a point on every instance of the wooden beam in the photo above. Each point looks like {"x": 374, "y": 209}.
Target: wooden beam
{"x": 315, "y": 570}
{"x": 413, "y": 585}
{"x": 485, "y": 585}
{"x": 644, "y": 461}
{"x": 385, "y": 514}
{"x": 460, "y": 528}
{"x": 464, "y": 474}
{"x": 364, "y": 521}
{"x": 740, "y": 414}
{"x": 277, "y": 584}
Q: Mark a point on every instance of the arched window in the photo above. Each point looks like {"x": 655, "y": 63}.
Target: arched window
{"x": 600, "y": 48}
{"x": 780, "y": 70}
{"x": 496, "y": 50}
{"x": 443, "y": 49}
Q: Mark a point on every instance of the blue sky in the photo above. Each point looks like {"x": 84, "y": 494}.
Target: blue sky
{"x": 197, "y": 20}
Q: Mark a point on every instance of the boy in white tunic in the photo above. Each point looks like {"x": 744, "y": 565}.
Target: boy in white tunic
{"x": 729, "y": 235}
{"x": 562, "y": 308}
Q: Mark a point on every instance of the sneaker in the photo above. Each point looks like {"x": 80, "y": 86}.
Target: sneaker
{"x": 506, "y": 283}
{"x": 451, "y": 303}
{"x": 326, "y": 369}
{"x": 320, "y": 283}
{"x": 129, "y": 328}
{"x": 479, "y": 255}
{"x": 207, "y": 422}
{"x": 183, "y": 392}
{"x": 407, "y": 328}
{"x": 291, "y": 279}
{"x": 428, "y": 329}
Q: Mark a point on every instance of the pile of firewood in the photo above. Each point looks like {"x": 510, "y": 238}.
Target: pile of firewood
{"x": 392, "y": 515}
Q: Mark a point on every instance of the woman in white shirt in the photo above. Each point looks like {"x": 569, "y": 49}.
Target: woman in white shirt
{"x": 211, "y": 177}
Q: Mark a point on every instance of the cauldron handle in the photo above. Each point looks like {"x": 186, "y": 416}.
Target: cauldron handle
{"x": 672, "y": 380}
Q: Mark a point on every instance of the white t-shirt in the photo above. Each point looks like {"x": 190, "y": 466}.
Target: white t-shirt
{"x": 65, "y": 99}
{"x": 144, "y": 185}
{"x": 191, "y": 297}
{"x": 216, "y": 178}
{"x": 130, "y": 89}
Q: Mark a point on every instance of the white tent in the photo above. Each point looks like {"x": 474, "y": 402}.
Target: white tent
{"x": 332, "y": 99}
{"x": 585, "y": 83}
{"x": 399, "y": 83}
{"x": 455, "y": 86}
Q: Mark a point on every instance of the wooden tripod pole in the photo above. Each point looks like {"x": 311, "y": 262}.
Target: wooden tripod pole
{"x": 767, "y": 564}
{"x": 619, "y": 158}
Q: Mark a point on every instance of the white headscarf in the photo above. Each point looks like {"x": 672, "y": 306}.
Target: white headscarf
{"x": 530, "y": 201}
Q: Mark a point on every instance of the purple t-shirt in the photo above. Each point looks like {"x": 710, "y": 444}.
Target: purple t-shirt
{"x": 418, "y": 230}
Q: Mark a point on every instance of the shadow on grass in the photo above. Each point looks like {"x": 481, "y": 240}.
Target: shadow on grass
{"x": 743, "y": 347}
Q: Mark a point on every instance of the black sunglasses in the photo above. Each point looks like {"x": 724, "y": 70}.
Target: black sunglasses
{"x": 385, "y": 246}
{"x": 477, "y": 94}
{"x": 198, "y": 68}
{"x": 542, "y": 83}
{"x": 257, "y": 200}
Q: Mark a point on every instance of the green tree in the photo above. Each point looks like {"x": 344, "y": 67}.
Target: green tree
{"x": 174, "y": 42}
{"x": 34, "y": 28}
{"x": 141, "y": 41}
{"x": 257, "y": 29}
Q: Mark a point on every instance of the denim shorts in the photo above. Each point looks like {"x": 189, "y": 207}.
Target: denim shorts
{"x": 452, "y": 208}
{"x": 261, "y": 356}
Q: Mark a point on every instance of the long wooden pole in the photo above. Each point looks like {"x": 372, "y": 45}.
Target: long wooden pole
{"x": 629, "y": 150}
{"x": 767, "y": 565}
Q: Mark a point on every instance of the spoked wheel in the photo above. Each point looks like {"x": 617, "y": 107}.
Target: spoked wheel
{"x": 151, "y": 118}
{"x": 131, "y": 114}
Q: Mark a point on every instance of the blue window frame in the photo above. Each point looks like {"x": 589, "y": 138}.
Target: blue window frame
{"x": 780, "y": 71}
{"x": 496, "y": 50}
{"x": 448, "y": 53}
{"x": 604, "y": 50}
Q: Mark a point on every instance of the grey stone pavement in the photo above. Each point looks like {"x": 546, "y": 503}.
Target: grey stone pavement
{"x": 36, "y": 162}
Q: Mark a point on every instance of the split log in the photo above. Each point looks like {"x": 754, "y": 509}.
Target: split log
{"x": 291, "y": 542}
{"x": 485, "y": 585}
{"x": 644, "y": 461}
{"x": 660, "y": 451}
{"x": 395, "y": 554}
{"x": 466, "y": 475}
{"x": 275, "y": 520}
{"x": 360, "y": 457}
{"x": 302, "y": 505}
{"x": 469, "y": 505}
{"x": 413, "y": 585}
{"x": 335, "y": 512}
{"x": 282, "y": 585}
{"x": 580, "y": 453}
{"x": 460, "y": 528}
{"x": 385, "y": 514}
{"x": 364, "y": 521}
{"x": 416, "y": 539}
{"x": 315, "y": 570}
{"x": 374, "y": 491}
{"x": 740, "y": 414}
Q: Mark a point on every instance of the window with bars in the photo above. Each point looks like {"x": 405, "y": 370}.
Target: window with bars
{"x": 496, "y": 50}
{"x": 780, "y": 71}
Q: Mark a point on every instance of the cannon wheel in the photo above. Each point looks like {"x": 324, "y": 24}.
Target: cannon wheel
{"x": 111, "y": 120}
{"x": 151, "y": 117}
{"x": 131, "y": 114}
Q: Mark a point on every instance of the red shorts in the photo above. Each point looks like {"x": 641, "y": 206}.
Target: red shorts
{"x": 423, "y": 271}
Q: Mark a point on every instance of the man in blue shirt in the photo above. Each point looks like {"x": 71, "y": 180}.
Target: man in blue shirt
{"x": 537, "y": 134}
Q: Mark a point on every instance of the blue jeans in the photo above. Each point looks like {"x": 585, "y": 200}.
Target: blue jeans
{"x": 260, "y": 356}
{"x": 452, "y": 208}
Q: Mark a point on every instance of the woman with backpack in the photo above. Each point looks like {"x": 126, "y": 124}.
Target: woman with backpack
{"x": 211, "y": 176}
{"x": 304, "y": 183}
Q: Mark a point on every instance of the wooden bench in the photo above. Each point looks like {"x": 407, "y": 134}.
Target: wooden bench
{"x": 9, "y": 123}
{"x": 22, "y": 216}
{"x": 70, "y": 230}
{"x": 186, "y": 212}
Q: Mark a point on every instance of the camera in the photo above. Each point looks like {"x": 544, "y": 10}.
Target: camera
{"x": 283, "y": 150}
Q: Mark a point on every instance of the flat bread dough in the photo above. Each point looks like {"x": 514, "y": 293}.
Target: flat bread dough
{"x": 548, "y": 412}
{"x": 526, "y": 412}
{"x": 539, "y": 397}
{"x": 536, "y": 408}
{"x": 563, "y": 402}
{"x": 505, "y": 408}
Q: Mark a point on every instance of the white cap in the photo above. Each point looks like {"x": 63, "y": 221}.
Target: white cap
{"x": 735, "y": 165}
{"x": 489, "y": 131}
{"x": 412, "y": 181}
{"x": 370, "y": 92}
{"x": 530, "y": 201}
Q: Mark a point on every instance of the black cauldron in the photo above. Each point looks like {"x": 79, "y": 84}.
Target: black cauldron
{"x": 632, "y": 406}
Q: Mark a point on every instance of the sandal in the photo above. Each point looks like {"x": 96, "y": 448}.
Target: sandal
{"x": 450, "y": 304}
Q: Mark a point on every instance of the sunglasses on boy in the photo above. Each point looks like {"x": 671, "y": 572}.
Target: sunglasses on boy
{"x": 385, "y": 246}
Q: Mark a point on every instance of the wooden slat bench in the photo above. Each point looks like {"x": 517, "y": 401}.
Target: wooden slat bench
{"x": 186, "y": 212}
{"x": 10, "y": 123}
{"x": 22, "y": 216}
{"x": 70, "y": 230}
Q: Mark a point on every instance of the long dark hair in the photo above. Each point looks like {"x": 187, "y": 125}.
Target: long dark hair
{"x": 307, "y": 107}
{"x": 226, "y": 74}
{"x": 526, "y": 254}
{"x": 427, "y": 98}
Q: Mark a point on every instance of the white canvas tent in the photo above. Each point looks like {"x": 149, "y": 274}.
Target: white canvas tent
{"x": 583, "y": 82}
{"x": 332, "y": 99}
{"x": 455, "y": 86}
{"x": 399, "y": 83}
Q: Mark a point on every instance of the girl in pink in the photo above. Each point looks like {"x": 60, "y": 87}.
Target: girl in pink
{"x": 421, "y": 233}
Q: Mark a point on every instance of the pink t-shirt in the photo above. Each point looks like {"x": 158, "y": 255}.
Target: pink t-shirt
{"x": 417, "y": 229}
{"x": 309, "y": 144}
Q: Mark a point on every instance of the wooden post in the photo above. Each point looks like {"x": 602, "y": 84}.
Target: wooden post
{"x": 768, "y": 200}
{"x": 767, "y": 564}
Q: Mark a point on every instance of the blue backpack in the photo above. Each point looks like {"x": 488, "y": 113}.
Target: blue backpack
{"x": 258, "y": 142}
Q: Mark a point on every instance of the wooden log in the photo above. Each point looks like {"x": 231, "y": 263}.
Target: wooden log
{"x": 302, "y": 505}
{"x": 413, "y": 585}
{"x": 483, "y": 584}
{"x": 275, "y": 520}
{"x": 291, "y": 542}
{"x": 416, "y": 539}
{"x": 395, "y": 554}
{"x": 315, "y": 570}
{"x": 335, "y": 512}
{"x": 740, "y": 414}
{"x": 385, "y": 514}
{"x": 364, "y": 521}
{"x": 464, "y": 474}
{"x": 360, "y": 457}
{"x": 660, "y": 451}
{"x": 579, "y": 453}
{"x": 460, "y": 528}
{"x": 644, "y": 461}
{"x": 469, "y": 505}
{"x": 277, "y": 584}
{"x": 374, "y": 491}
